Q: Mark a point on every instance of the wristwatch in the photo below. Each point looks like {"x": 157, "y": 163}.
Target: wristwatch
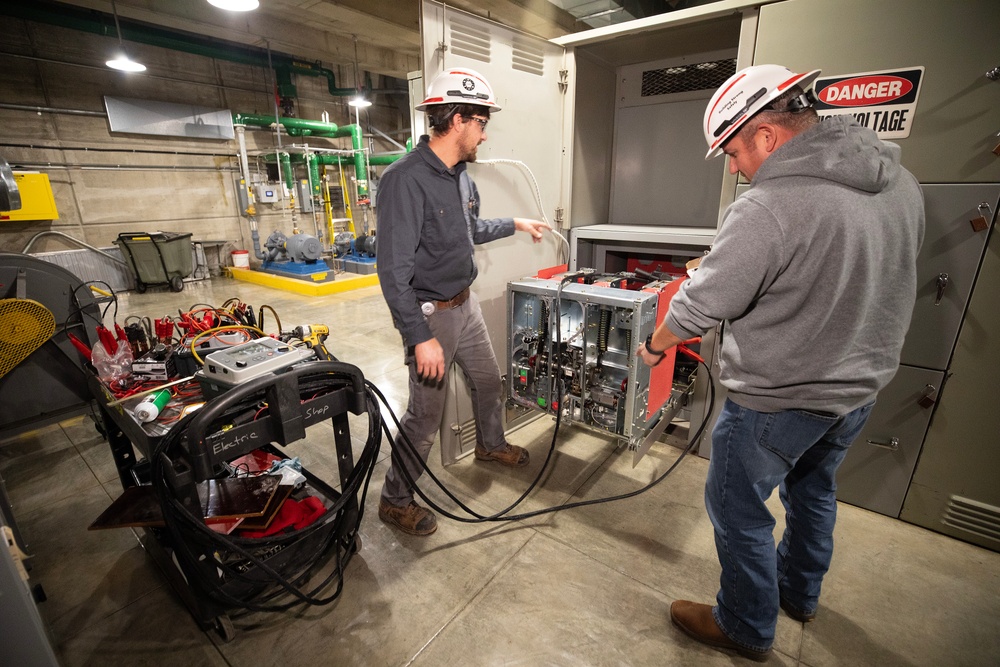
{"x": 651, "y": 349}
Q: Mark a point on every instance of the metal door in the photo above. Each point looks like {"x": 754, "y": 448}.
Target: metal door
{"x": 878, "y": 468}
{"x": 946, "y": 268}
{"x": 954, "y": 488}
{"x": 530, "y": 79}
{"x": 872, "y": 476}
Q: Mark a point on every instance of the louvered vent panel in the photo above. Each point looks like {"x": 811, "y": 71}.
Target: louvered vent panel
{"x": 467, "y": 435}
{"x": 527, "y": 57}
{"x": 973, "y": 517}
{"x": 88, "y": 265}
{"x": 685, "y": 78}
{"x": 470, "y": 41}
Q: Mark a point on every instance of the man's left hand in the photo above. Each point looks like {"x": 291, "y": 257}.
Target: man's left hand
{"x": 533, "y": 227}
{"x": 647, "y": 357}
{"x": 662, "y": 336}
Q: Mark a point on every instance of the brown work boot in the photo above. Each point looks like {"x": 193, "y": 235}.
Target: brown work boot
{"x": 697, "y": 621}
{"x": 508, "y": 455}
{"x": 412, "y": 519}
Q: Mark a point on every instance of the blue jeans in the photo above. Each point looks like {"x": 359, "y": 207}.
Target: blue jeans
{"x": 752, "y": 453}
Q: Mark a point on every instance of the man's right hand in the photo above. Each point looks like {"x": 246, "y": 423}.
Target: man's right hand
{"x": 430, "y": 360}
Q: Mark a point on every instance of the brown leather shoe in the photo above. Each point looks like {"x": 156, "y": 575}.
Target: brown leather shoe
{"x": 411, "y": 519}
{"x": 697, "y": 621}
{"x": 508, "y": 455}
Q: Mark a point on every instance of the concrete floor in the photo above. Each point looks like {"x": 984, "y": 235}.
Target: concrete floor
{"x": 588, "y": 586}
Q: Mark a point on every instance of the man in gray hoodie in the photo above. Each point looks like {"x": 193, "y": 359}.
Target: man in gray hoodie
{"x": 813, "y": 273}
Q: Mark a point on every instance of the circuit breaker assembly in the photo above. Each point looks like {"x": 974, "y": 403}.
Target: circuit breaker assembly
{"x": 571, "y": 347}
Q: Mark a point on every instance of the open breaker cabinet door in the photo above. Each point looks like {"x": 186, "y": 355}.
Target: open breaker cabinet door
{"x": 530, "y": 77}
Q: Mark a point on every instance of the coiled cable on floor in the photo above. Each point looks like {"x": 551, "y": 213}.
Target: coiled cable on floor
{"x": 211, "y": 561}
{"x": 503, "y": 514}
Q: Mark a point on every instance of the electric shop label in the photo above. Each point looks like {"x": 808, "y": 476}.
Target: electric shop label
{"x": 883, "y": 101}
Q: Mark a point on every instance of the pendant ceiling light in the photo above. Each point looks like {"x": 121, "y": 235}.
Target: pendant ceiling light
{"x": 235, "y": 5}
{"x": 358, "y": 101}
{"x": 122, "y": 62}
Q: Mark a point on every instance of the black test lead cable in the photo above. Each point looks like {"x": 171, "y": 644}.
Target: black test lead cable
{"x": 556, "y": 379}
{"x": 502, "y": 515}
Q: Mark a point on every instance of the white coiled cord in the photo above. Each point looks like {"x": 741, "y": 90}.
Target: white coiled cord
{"x": 535, "y": 191}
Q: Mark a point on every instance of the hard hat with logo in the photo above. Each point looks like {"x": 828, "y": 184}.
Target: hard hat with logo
{"x": 744, "y": 94}
{"x": 459, "y": 85}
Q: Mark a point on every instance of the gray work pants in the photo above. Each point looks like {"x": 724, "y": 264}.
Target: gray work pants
{"x": 462, "y": 334}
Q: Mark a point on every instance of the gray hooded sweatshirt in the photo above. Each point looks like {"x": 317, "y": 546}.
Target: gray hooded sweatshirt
{"x": 814, "y": 273}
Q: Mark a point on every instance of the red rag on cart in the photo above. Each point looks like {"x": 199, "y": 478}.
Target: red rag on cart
{"x": 295, "y": 513}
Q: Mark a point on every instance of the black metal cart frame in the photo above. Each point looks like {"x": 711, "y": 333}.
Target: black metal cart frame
{"x": 203, "y": 446}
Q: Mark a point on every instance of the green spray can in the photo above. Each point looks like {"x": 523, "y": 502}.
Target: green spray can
{"x": 151, "y": 406}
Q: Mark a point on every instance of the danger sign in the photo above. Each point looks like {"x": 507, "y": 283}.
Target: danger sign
{"x": 883, "y": 101}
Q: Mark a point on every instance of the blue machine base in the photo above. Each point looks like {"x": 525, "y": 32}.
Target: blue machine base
{"x": 317, "y": 272}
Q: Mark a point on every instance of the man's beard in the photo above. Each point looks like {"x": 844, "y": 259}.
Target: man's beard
{"x": 469, "y": 155}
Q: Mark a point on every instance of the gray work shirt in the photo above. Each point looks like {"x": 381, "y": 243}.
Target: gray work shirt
{"x": 428, "y": 221}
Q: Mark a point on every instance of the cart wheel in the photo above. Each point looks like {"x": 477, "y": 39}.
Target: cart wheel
{"x": 356, "y": 544}
{"x": 224, "y": 626}
{"x": 140, "y": 287}
{"x": 176, "y": 284}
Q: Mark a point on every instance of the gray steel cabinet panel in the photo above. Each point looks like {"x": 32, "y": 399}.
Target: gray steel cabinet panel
{"x": 951, "y": 247}
{"x": 955, "y": 487}
{"x": 874, "y": 475}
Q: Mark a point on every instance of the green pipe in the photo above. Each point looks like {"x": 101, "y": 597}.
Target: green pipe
{"x": 315, "y": 69}
{"x": 99, "y": 23}
{"x": 360, "y": 169}
{"x": 322, "y": 158}
{"x": 379, "y": 160}
{"x": 286, "y": 170}
{"x": 301, "y": 127}
{"x": 298, "y": 127}
{"x": 313, "y": 165}
{"x": 314, "y": 127}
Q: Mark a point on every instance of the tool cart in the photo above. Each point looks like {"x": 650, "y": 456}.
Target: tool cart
{"x": 215, "y": 574}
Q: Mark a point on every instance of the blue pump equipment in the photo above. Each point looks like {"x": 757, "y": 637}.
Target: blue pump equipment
{"x": 296, "y": 256}
{"x": 357, "y": 255}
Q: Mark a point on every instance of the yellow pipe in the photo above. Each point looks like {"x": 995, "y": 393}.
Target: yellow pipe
{"x": 328, "y": 207}
{"x": 347, "y": 203}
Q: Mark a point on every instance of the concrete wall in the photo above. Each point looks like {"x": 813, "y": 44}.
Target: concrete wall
{"x": 188, "y": 184}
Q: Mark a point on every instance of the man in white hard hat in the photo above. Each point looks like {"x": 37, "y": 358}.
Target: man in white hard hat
{"x": 813, "y": 273}
{"x": 428, "y": 222}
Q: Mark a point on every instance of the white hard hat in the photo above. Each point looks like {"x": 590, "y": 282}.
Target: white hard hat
{"x": 744, "y": 94}
{"x": 459, "y": 85}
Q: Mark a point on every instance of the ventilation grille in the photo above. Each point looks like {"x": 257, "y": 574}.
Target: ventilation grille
{"x": 973, "y": 517}
{"x": 470, "y": 41}
{"x": 685, "y": 78}
{"x": 467, "y": 435}
{"x": 88, "y": 265}
{"x": 527, "y": 57}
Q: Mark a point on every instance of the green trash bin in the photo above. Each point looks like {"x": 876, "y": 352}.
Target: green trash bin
{"x": 157, "y": 258}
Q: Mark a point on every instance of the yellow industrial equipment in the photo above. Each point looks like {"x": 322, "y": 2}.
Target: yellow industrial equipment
{"x": 24, "y": 326}
{"x": 37, "y": 200}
